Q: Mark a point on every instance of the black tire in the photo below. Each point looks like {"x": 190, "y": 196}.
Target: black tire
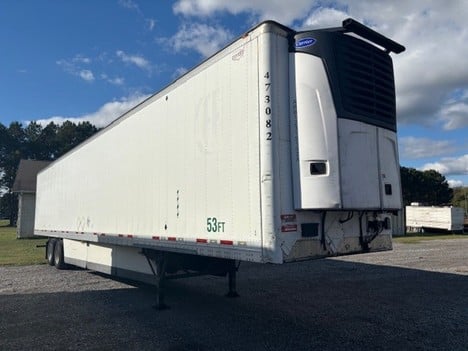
{"x": 50, "y": 250}
{"x": 59, "y": 261}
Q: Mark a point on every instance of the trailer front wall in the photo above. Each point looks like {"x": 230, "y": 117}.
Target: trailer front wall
{"x": 182, "y": 166}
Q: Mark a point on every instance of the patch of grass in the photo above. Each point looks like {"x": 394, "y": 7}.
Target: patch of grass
{"x": 19, "y": 252}
{"x": 417, "y": 238}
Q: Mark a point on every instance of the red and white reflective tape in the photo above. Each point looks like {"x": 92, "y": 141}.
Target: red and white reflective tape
{"x": 289, "y": 228}
{"x": 154, "y": 237}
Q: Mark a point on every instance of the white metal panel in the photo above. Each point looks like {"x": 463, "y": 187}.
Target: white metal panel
{"x": 389, "y": 169}
{"x": 122, "y": 261}
{"x": 75, "y": 252}
{"x": 314, "y": 134}
{"x": 274, "y": 132}
{"x": 359, "y": 165}
{"x": 186, "y": 157}
{"x": 120, "y": 257}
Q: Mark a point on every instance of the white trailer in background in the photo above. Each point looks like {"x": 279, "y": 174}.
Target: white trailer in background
{"x": 280, "y": 147}
{"x": 419, "y": 218}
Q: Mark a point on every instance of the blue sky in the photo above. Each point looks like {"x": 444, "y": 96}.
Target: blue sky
{"x": 93, "y": 60}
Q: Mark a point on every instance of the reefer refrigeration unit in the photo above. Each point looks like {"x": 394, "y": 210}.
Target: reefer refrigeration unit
{"x": 280, "y": 147}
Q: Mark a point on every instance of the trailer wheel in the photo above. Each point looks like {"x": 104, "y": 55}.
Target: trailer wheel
{"x": 58, "y": 255}
{"x": 50, "y": 248}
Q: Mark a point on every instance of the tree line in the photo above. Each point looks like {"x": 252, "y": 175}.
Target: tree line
{"x": 427, "y": 187}
{"x": 33, "y": 142}
{"x": 431, "y": 188}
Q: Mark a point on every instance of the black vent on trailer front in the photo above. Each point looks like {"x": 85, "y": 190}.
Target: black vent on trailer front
{"x": 360, "y": 73}
{"x": 365, "y": 76}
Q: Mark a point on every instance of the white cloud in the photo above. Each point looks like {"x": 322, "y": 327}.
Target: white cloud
{"x": 136, "y": 60}
{"x": 81, "y": 59}
{"x": 75, "y": 65}
{"x": 280, "y": 10}
{"x": 87, "y": 75}
{"x": 66, "y": 65}
{"x": 197, "y": 8}
{"x": 129, "y": 4}
{"x": 85, "y": 67}
{"x": 453, "y": 183}
{"x": 414, "y": 148}
{"x": 434, "y": 32}
{"x": 150, "y": 23}
{"x": 180, "y": 71}
{"x": 454, "y": 113}
{"x": 104, "y": 115}
{"x": 434, "y": 65}
{"x": 325, "y": 17}
{"x": 450, "y": 165}
{"x": 435, "y": 36}
{"x": 114, "y": 81}
{"x": 202, "y": 38}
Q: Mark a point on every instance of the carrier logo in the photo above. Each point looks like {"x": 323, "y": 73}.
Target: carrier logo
{"x": 305, "y": 42}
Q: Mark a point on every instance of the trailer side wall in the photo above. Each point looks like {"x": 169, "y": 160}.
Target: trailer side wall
{"x": 182, "y": 169}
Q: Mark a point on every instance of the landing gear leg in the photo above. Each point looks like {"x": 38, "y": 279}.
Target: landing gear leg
{"x": 159, "y": 272}
{"x": 232, "y": 275}
{"x": 161, "y": 262}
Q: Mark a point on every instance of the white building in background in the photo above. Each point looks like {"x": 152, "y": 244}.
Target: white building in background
{"x": 419, "y": 218}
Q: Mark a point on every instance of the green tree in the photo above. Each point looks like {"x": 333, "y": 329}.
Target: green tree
{"x": 427, "y": 187}
{"x": 69, "y": 135}
{"x": 13, "y": 149}
{"x": 33, "y": 132}
{"x": 460, "y": 198}
{"x": 33, "y": 142}
{"x": 47, "y": 144}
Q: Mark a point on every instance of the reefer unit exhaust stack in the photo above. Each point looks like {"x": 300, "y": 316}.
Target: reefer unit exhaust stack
{"x": 280, "y": 147}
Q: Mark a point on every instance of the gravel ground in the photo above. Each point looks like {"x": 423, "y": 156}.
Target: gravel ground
{"x": 412, "y": 298}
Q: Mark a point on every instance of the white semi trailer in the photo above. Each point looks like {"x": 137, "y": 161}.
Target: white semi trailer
{"x": 280, "y": 147}
{"x": 420, "y": 218}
